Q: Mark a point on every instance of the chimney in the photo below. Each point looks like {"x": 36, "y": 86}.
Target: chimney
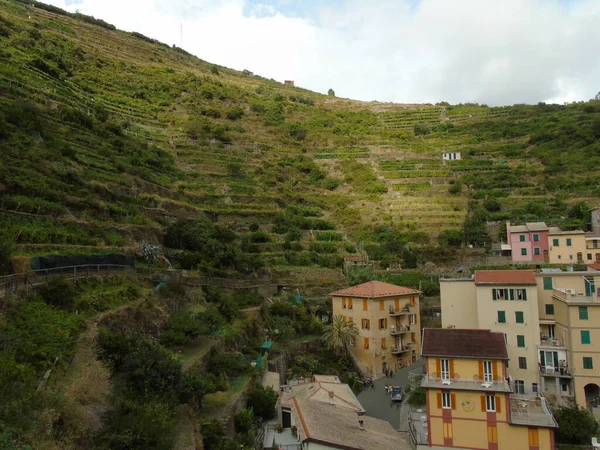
{"x": 361, "y": 422}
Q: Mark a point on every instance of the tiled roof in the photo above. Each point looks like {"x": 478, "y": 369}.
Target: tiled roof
{"x": 504, "y": 277}
{"x": 553, "y": 232}
{"x": 334, "y": 426}
{"x": 374, "y": 289}
{"x": 518, "y": 229}
{"x": 320, "y": 391}
{"x": 594, "y": 266}
{"x": 463, "y": 343}
{"x": 536, "y": 226}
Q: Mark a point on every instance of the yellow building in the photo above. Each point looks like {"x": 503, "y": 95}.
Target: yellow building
{"x": 566, "y": 247}
{"x": 504, "y": 301}
{"x": 469, "y": 399}
{"x": 388, "y": 322}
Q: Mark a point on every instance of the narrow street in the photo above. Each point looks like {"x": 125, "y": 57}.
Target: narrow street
{"x": 377, "y": 402}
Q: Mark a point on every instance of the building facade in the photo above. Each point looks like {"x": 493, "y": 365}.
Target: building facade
{"x": 566, "y": 247}
{"x": 528, "y": 242}
{"x": 504, "y": 301}
{"x": 388, "y": 322}
{"x": 469, "y": 399}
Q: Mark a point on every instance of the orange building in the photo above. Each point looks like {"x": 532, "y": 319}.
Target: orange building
{"x": 470, "y": 404}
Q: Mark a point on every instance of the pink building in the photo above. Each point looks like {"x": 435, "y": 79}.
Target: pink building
{"x": 528, "y": 242}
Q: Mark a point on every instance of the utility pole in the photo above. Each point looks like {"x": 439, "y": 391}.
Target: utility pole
{"x": 181, "y": 35}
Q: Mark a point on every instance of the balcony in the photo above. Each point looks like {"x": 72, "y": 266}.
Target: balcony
{"x": 402, "y": 349}
{"x": 561, "y": 372}
{"x": 396, "y": 331}
{"x": 530, "y": 410}
{"x": 466, "y": 384}
{"x": 569, "y": 296}
{"x": 399, "y": 312}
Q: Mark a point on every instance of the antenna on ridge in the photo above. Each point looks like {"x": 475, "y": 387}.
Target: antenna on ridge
{"x": 181, "y": 35}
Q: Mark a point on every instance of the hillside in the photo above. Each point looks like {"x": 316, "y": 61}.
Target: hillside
{"x": 109, "y": 138}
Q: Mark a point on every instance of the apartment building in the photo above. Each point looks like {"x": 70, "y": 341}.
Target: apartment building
{"x": 566, "y": 247}
{"x": 504, "y": 301}
{"x": 469, "y": 400}
{"x": 388, "y": 321}
{"x": 592, "y": 248}
{"x": 528, "y": 242}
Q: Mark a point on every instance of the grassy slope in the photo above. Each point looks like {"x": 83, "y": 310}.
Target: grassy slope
{"x": 127, "y": 135}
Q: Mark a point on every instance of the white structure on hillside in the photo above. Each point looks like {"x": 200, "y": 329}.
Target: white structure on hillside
{"x": 451, "y": 156}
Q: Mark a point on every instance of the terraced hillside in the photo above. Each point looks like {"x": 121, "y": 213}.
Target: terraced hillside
{"x": 110, "y": 138}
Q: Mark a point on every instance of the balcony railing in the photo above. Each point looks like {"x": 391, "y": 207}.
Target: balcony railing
{"x": 402, "y": 348}
{"x": 530, "y": 410}
{"x": 398, "y": 312}
{"x": 569, "y": 296}
{"x": 466, "y": 384}
{"x": 394, "y": 331}
{"x": 551, "y": 371}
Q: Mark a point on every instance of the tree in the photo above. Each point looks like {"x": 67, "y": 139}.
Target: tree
{"x": 262, "y": 401}
{"x": 339, "y": 335}
{"x": 575, "y": 425}
{"x": 331, "y": 92}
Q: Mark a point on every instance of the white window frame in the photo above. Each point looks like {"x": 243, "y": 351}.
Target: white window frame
{"x": 446, "y": 400}
{"x": 490, "y": 403}
{"x": 488, "y": 371}
{"x": 413, "y": 319}
{"x": 519, "y": 387}
{"x": 445, "y": 369}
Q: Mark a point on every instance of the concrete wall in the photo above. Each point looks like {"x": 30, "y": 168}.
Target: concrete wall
{"x": 459, "y": 304}
{"x": 563, "y": 254}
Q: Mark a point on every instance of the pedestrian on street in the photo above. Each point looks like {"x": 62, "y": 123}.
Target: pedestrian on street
{"x": 386, "y": 388}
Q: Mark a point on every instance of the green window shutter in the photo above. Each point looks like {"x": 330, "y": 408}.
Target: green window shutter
{"x": 520, "y": 340}
{"x": 536, "y": 251}
{"x": 501, "y": 317}
{"x": 536, "y": 237}
{"x": 512, "y": 294}
{"x": 524, "y": 294}
{"x": 585, "y": 337}
{"x": 583, "y": 313}
{"x": 522, "y": 238}
{"x": 568, "y": 242}
{"x": 523, "y": 251}
{"x": 542, "y": 358}
{"x": 550, "y": 310}
{"x": 494, "y": 295}
{"x": 555, "y": 242}
{"x": 588, "y": 363}
{"x": 547, "y": 283}
{"x": 519, "y": 317}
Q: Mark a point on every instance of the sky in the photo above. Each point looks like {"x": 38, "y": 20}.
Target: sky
{"x": 494, "y": 52}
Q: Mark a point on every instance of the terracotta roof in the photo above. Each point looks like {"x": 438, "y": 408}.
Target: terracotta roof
{"x": 334, "y": 426}
{"x": 504, "y": 277}
{"x": 464, "y": 343}
{"x": 594, "y": 266}
{"x": 374, "y": 289}
{"x": 320, "y": 391}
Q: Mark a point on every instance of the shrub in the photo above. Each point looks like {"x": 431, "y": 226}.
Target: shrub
{"x": 226, "y": 364}
{"x": 417, "y": 397}
{"x": 59, "y": 292}
{"x": 113, "y": 348}
{"x": 262, "y": 401}
{"x": 421, "y": 129}
{"x": 235, "y": 113}
{"x": 214, "y": 69}
{"x": 492, "y": 205}
{"x": 244, "y": 420}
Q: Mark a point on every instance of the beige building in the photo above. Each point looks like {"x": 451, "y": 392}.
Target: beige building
{"x": 469, "y": 400}
{"x": 504, "y": 301}
{"x": 325, "y": 414}
{"x": 566, "y": 247}
{"x": 388, "y": 321}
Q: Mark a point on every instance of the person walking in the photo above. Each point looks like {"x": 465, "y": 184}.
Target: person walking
{"x": 386, "y": 388}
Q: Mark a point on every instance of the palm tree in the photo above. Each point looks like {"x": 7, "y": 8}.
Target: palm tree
{"x": 339, "y": 335}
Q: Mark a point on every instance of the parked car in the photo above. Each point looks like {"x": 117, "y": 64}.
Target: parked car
{"x": 396, "y": 394}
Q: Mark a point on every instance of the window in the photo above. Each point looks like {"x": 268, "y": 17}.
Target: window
{"x": 550, "y": 310}
{"x": 366, "y": 324}
{"x": 524, "y": 252}
{"x": 492, "y": 434}
{"x": 343, "y": 302}
{"x": 500, "y": 294}
{"x": 589, "y": 256}
{"x": 534, "y": 388}
{"x": 366, "y": 343}
{"x": 411, "y": 301}
{"x": 520, "y": 340}
{"x": 522, "y": 362}
{"x": 381, "y": 305}
{"x": 521, "y": 294}
{"x": 413, "y": 319}
{"x": 447, "y": 430}
{"x": 522, "y": 238}
{"x": 569, "y": 242}
{"x": 585, "y": 337}
{"x": 534, "y": 439}
{"x": 559, "y": 256}
{"x": 382, "y": 324}
{"x": 570, "y": 256}
{"x": 519, "y": 317}
{"x": 536, "y": 237}
{"x": 490, "y": 403}
{"x": 536, "y": 251}
{"x": 383, "y": 343}
{"x": 583, "y": 313}
{"x": 501, "y": 317}
{"x": 349, "y": 303}
{"x": 446, "y": 400}
{"x": 365, "y": 305}
{"x": 547, "y": 283}
{"x": 445, "y": 369}
{"x": 488, "y": 372}
{"x": 555, "y": 242}
{"x": 588, "y": 363}
{"x": 519, "y": 387}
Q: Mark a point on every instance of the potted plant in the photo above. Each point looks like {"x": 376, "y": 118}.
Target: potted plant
{"x": 294, "y": 430}
{"x": 538, "y": 400}
{"x": 279, "y": 428}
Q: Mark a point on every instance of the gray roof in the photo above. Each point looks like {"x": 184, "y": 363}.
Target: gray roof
{"x": 537, "y": 226}
{"x": 519, "y": 229}
{"x": 567, "y": 232}
{"x": 338, "y": 426}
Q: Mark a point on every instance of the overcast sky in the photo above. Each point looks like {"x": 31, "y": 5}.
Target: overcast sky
{"x": 496, "y": 52}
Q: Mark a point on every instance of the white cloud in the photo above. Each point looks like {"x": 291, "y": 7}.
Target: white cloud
{"x": 486, "y": 51}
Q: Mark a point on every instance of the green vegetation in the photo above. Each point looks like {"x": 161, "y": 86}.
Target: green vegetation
{"x": 576, "y": 425}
